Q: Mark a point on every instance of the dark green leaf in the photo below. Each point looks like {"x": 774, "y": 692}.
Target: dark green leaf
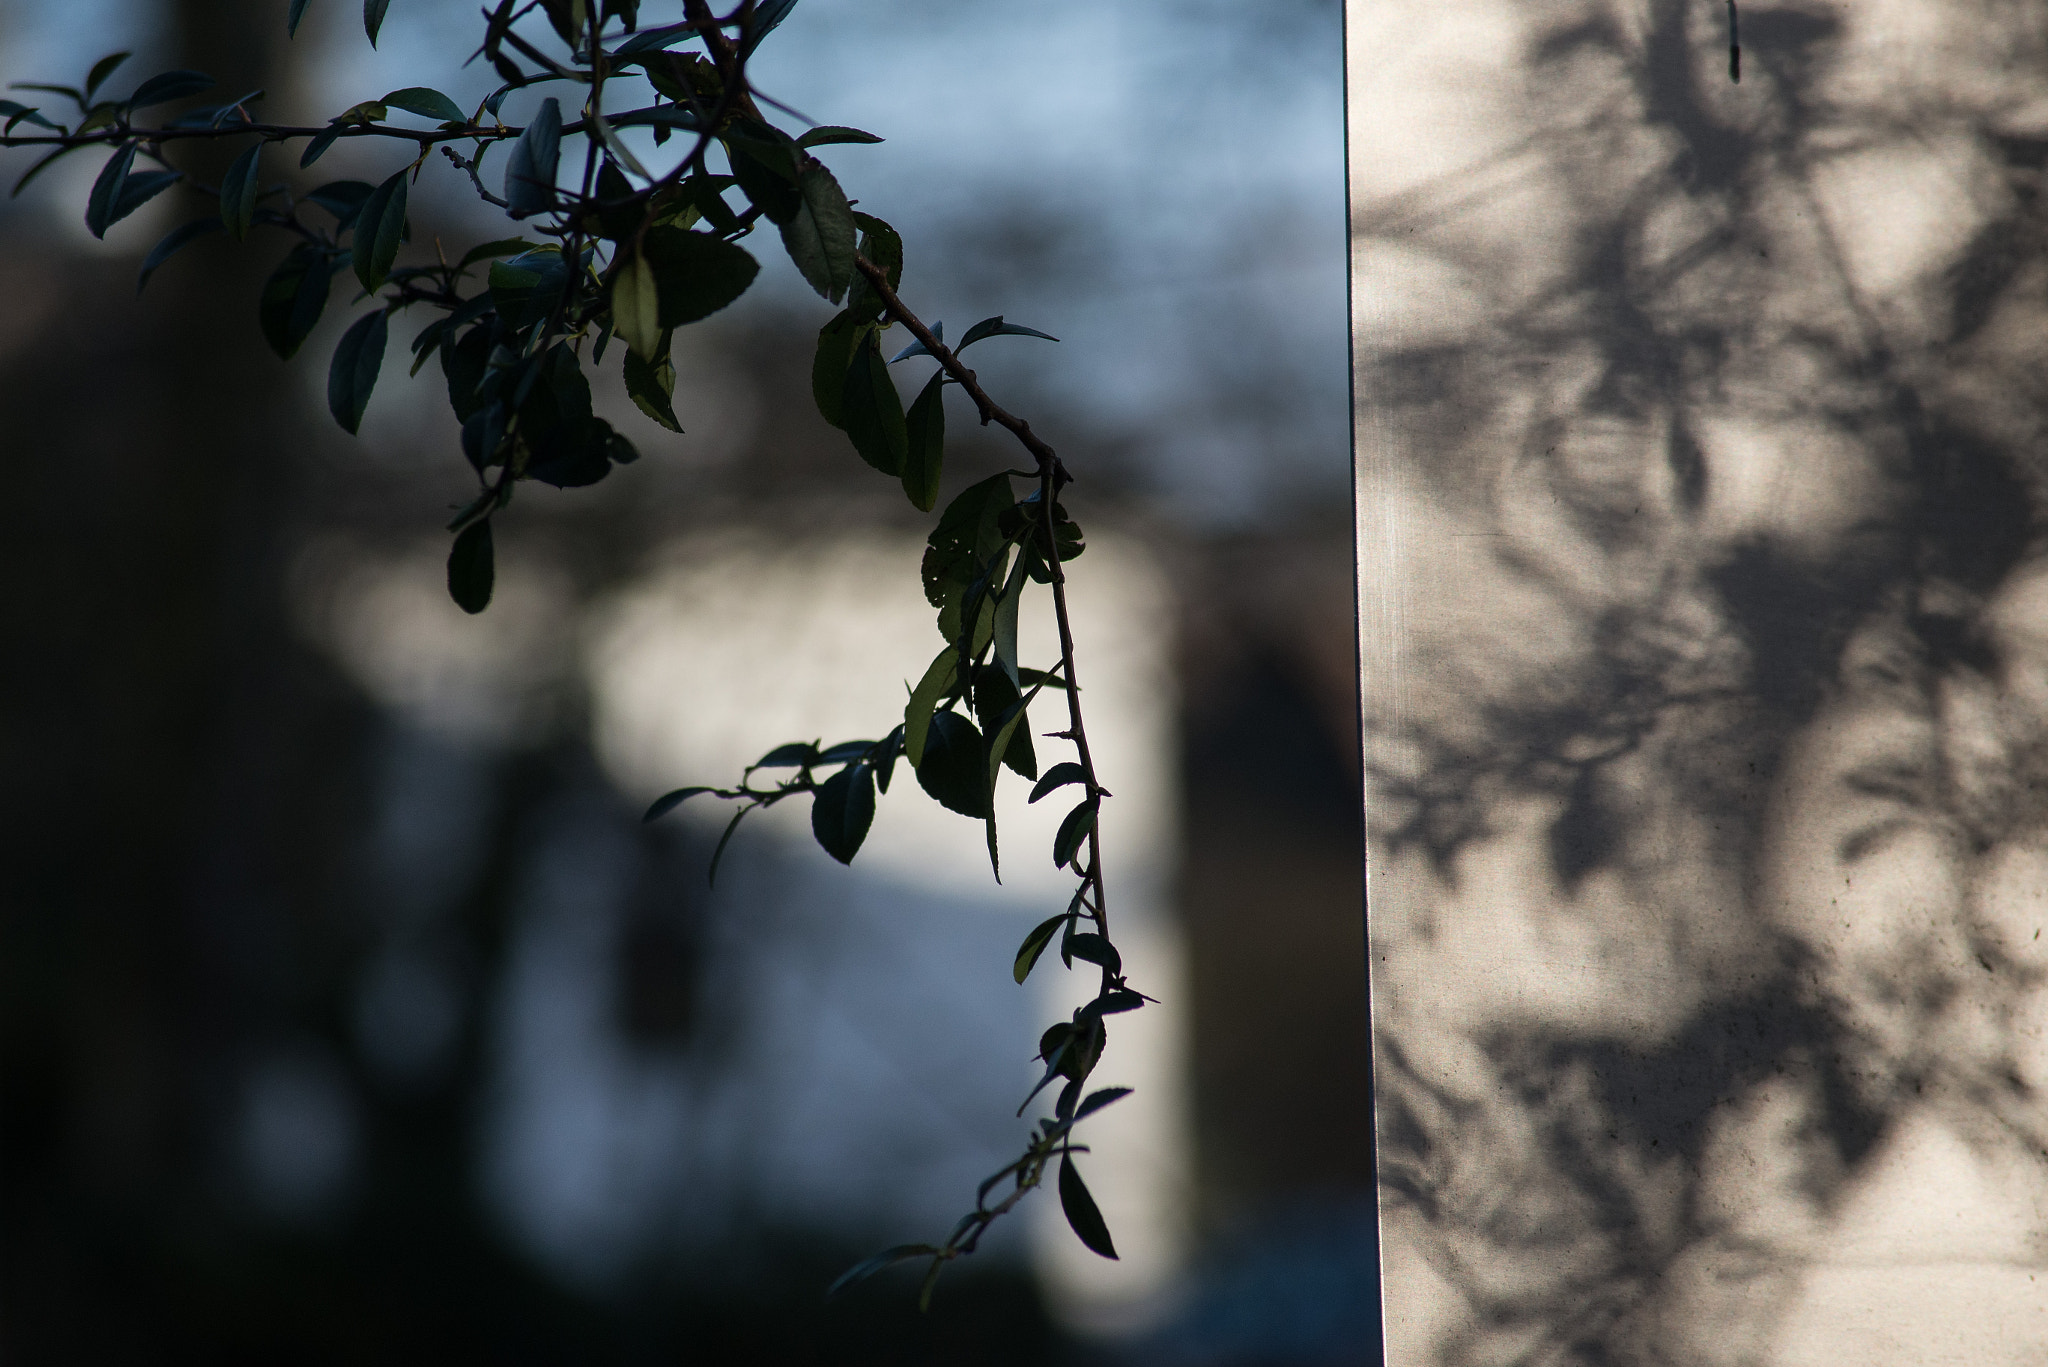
{"x": 317, "y": 148}
{"x": 845, "y": 752}
{"x": 427, "y": 103}
{"x": 636, "y": 306}
{"x": 836, "y": 343}
{"x": 1081, "y": 1212}
{"x": 651, "y": 384}
{"x": 883, "y": 757}
{"x": 379, "y": 225}
{"x": 1096, "y": 950}
{"x": 465, "y": 363}
{"x": 353, "y": 372}
{"x": 767, "y": 14}
{"x": 1097, "y": 1100}
{"x": 1003, "y": 720}
{"x": 342, "y": 198}
{"x": 1005, "y": 634}
{"x": 293, "y": 298}
{"x": 872, "y": 411}
{"x": 718, "y": 853}
{"x": 831, "y": 133}
{"x": 102, "y": 69}
{"x": 1034, "y": 945}
{"x": 530, "y": 171}
{"x": 868, "y": 1267}
{"x": 506, "y": 246}
{"x": 656, "y": 38}
{"x": 1112, "y": 1003}
{"x": 15, "y": 113}
{"x": 953, "y": 768}
{"x": 373, "y": 18}
{"x": 172, "y": 241}
{"x": 795, "y": 755}
{"x": 106, "y": 190}
{"x": 967, "y": 536}
{"x": 168, "y": 86}
{"x": 925, "y": 451}
{"x": 1067, "y": 844}
{"x": 843, "y": 810}
{"x": 1057, "y": 777}
{"x": 471, "y": 572}
{"x": 996, "y": 327}
{"x": 820, "y": 235}
{"x": 526, "y": 288}
{"x": 668, "y": 802}
{"x": 42, "y": 166}
{"x": 767, "y": 173}
{"x": 238, "y": 193}
{"x": 883, "y": 248}
{"x": 292, "y": 18}
{"x": 141, "y": 188}
{"x": 695, "y": 274}
{"x": 627, "y": 12}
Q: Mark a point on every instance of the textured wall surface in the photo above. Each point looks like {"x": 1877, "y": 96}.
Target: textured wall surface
{"x": 1705, "y": 638}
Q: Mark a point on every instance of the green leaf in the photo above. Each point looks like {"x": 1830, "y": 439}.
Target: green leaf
{"x": 470, "y": 569}
{"x": 668, "y": 802}
{"x": 767, "y": 14}
{"x": 172, "y": 241}
{"x": 951, "y": 769}
{"x": 106, "y": 190}
{"x": 292, "y": 18}
{"x": 837, "y": 341}
{"x": 1081, "y": 1210}
{"x": 1073, "y": 831}
{"x": 102, "y": 69}
{"x": 293, "y": 298}
{"x": 996, "y": 327}
{"x": 967, "y": 537}
{"x": 427, "y": 103}
{"x": 317, "y": 148}
{"x": 1034, "y": 945}
{"x": 353, "y": 372}
{"x": 795, "y": 755}
{"x": 530, "y": 171}
{"x": 820, "y": 235}
{"x": 718, "y": 853}
{"x": 695, "y": 274}
{"x": 843, "y": 810}
{"x": 917, "y": 714}
{"x": 42, "y": 166}
{"x": 504, "y": 246}
{"x": 1001, "y": 713}
{"x": 1097, "y": 1100}
{"x": 168, "y": 86}
{"x": 925, "y": 450}
{"x": 1096, "y": 950}
{"x": 883, "y": 248}
{"x": 342, "y": 198}
{"x": 1057, "y": 777}
{"x": 868, "y": 1267}
{"x": 766, "y": 171}
{"x": 526, "y": 288}
{"x": 379, "y": 225}
{"x": 651, "y": 384}
{"x": 373, "y": 18}
{"x": 238, "y": 193}
{"x": 16, "y": 113}
{"x": 872, "y": 410}
{"x": 831, "y": 133}
{"x": 1005, "y": 635}
{"x": 636, "y": 306}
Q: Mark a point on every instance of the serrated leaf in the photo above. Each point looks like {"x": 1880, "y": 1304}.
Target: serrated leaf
{"x": 636, "y": 306}
{"x": 530, "y": 171}
{"x": 353, "y": 372}
{"x": 873, "y": 412}
{"x": 819, "y": 236}
{"x": 238, "y": 193}
{"x": 379, "y": 225}
{"x": 293, "y": 299}
{"x": 1034, "y": 945}
{"x": 373, "y": 18}
{"x": 836, "y": 343}
{"x": 471, "y": 571}
{"x": 1057, "y": 777}
{"x": 996, "y": 327}
{"x": 695, "y": 274}
{"x": 917, "y": 714}
{"x": 826, "y": 134}
{"x": 668, "y": 802}
{"x": 1073, "y": 831}
{"x": 172, "y": 241}
{"x": 868, "y": 1267}
{"x": 103, "y": 68}
{"x": 952, "y": 769}
{"x": 140, "y": 188}
{"x": 106, "y": 190}
{"x": 924, "y": 456}
{"x": 167, "y": 86}
{"x": 426, "y": 102}
{"x": 843, "y": 810}
{"x": 292, "y": 18}
{"x": 651, "y": 385}
{"x": 1082, "y": 1215}
{"x": 1097, "y": 1100}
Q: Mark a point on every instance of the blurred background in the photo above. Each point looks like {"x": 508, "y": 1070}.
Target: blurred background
{"x": 351, "y": 1014}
